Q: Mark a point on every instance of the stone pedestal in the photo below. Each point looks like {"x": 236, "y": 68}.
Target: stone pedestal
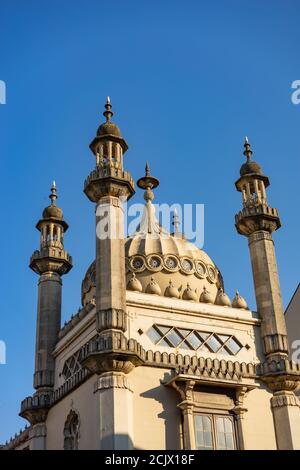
{"x": 286, "y": 414}
{"x": 37, "y": 436}
{"x": 115, "y": 397}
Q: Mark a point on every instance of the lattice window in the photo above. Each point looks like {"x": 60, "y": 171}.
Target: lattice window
{"x": 71, "y": 366}
{"x": 195, "y": 340}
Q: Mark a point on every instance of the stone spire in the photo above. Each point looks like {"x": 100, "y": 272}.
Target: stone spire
{"x": 149, "y": 222}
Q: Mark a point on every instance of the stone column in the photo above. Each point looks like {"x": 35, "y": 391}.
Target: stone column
{"x": 110, "y": 264}
{"x": 268, "y": 295}
{"x": 115, "y": 397}
{"x": 48, "y": 326}
{"x": 37, "y": 436}
{"x": 286, "y": 414}
{"x": 189, "y": 439}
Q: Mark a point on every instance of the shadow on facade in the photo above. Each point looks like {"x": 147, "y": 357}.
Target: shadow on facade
{"x": 169, "y": 399}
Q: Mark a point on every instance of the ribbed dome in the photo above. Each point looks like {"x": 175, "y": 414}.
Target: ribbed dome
{"x": 109, "y": 128}
{"x": 250, "y": 167}
{"x": 52, "y": 211}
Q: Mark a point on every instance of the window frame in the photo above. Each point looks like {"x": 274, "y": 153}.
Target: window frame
{"x": 213, "y": 418}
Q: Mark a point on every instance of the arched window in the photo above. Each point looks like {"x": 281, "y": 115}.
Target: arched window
{"x": 71, "y": 431}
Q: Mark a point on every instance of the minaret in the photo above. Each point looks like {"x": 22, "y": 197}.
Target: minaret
{"x": 51, "y": 261}
{"x": 257, "y": 221}
{"x": 109, "y": 186}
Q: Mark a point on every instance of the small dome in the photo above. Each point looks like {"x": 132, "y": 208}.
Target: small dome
{"x": 206, "y": 297}
{"x": 153, "y": 287}
{"x": 223, "y": 299}
{"x": 189, "y": 294}
{"x": 134, "y": 284}
{"x": 172, "y": 291}
{"x": 239, "y": 301}
{"x": 250, "y": 167}
{"x": 109, "y": 128}
{"x": 53, "y": 212}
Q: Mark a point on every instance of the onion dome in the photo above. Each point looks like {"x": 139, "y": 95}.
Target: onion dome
{"x": 171, "y": 291}
{"x": 153, "y": 287}
{"x": 239, "y": 301}
{"x": 250, "y": 167}
{"x": 108, "y": 128}
{"x": 189, "y": 294}
{"x": 206, "y": 297}
{"x": 108, "y": 131}
{"x": 134, "y": 284}
{"x": 223, "y": 299}
{"x": 52, "y": 211}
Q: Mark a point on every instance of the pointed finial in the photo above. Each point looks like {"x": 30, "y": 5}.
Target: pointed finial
{"x": 53, "y": 195}
{"x": 148, "y": 182}
{"x": 176, "y": 222}
{"x": 247, "y": 151}
{"x": 108, "y": 112}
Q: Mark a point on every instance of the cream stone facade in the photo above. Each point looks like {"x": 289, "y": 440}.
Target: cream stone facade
{"x": 159, "y": 357}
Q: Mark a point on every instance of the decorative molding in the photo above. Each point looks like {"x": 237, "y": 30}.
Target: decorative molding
{"x": 111, "y": 318}
{"x": 17, "y": 440}
{"x": 286, "y": 399}
{"x": 113, "y": 380}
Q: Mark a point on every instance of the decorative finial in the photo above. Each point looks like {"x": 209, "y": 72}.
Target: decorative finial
{"x": 148, "y": 183}
{"x": 53, "y": 195}
{"x": 108, "y": 112}
{"x": 176, "y": 222}
{"x": 247, "y": 151}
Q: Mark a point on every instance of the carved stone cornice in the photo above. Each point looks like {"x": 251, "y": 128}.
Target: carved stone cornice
{"x": 284, "y": 399}
{"x": 51, "y": 259}
{"x": 257, "y": 218}
{"x": 35, "y": 409}
{"x": 281, "y": 375}
{"x": 113, "y": 380}
{"x": 108, "y": 181}
{"x": 112, "y": 352}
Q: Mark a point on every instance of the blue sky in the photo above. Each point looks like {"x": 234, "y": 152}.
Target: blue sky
{"x": 187, "y": 81}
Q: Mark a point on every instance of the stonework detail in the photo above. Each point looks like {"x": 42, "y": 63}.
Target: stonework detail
{"x": 287, "y": 399}
{"x": 111, "y": 318}
{"x": 113, "y": 380}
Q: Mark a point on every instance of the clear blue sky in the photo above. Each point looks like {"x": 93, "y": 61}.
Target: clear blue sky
{"x": 187, "y": 80}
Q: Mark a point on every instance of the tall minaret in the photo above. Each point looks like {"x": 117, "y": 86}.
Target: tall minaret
{"x": 51, "y": 261}
{"x": 257, "y": 221}
{"x": 109, "y": 186}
